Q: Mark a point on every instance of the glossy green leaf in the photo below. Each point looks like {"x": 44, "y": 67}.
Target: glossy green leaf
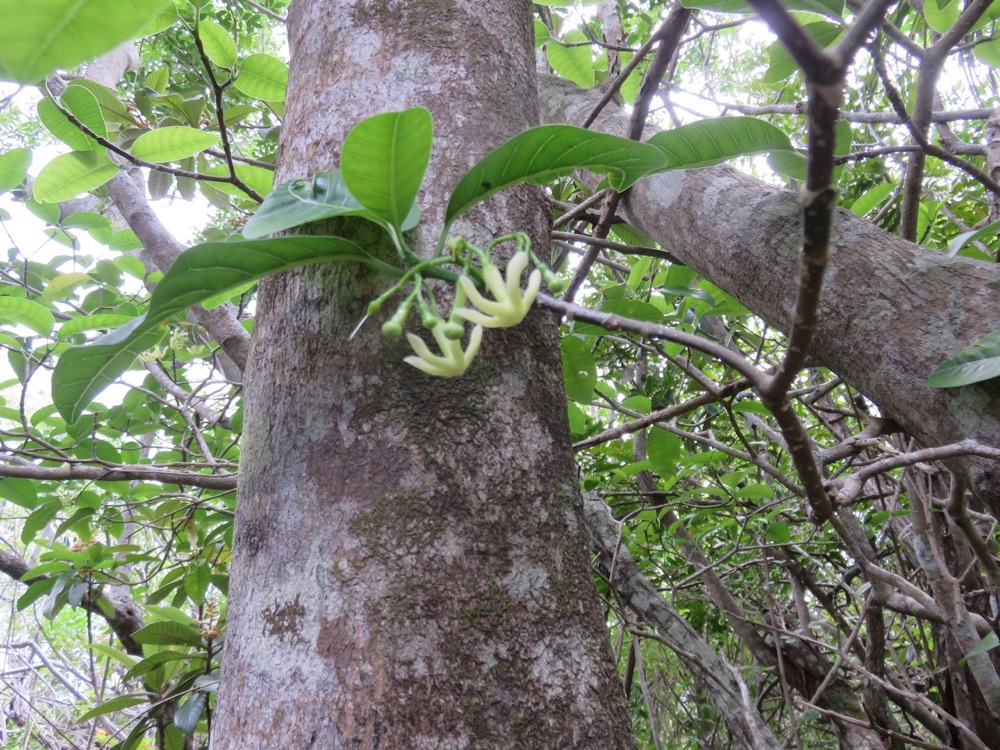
{"x": 169, "y": 633}
{"x": 263, "y": 77}
{"x": 549, "y": 151}
{"x": 574, "y": 63}
{"x": 872, "y": 198}
{"x": 579, "y": 369}
{"x": 13, "y": 168}
{"x": 783, "y": 64}
{"x": 708, "y": 142}
{"x": 70, "y": 174}
{"x": 663, "y": 450}
{"x": 60, "y": 126}
{"x": 974, "y": 364}
{"x": 298, "y": 202}
{"x": 26, "y": 313}
{"x": 941, "y": 14}
{"x": 40, "y": 36}
{"x": 172, "y": 144}
{"x": 384, "y": 159}
{"x": 218, "y": 44}
{"x": 791, "y": 164}
{"x": 199, "y": 273}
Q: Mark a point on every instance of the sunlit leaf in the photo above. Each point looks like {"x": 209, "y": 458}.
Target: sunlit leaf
{"x": 384, "y": 159}
{"x": 263, "y": 77}
{"x": 40, "y": 36}
{"x": 70, "y": 174}
{"x": 574, "y": 63}
{"x": 579, "y": 369}
{"x": 172, "y": 144}
{"x": 218, "y": 44}
{"x": 26, "y": 313}
{"x": 62, "y": 286}
{"x": 13, "y": 168}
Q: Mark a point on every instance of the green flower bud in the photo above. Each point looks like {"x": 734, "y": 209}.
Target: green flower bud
{"x": 375, "y": 307}
{"x": 454, "y": 330}
{"x": 392, "y": 328}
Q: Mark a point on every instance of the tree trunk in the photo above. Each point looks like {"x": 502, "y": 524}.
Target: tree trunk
{"x": 891, "y": 310}
{"x": 409, "y": 565}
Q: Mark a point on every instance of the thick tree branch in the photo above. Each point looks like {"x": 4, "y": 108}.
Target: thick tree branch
{"x": 119, "y": 473}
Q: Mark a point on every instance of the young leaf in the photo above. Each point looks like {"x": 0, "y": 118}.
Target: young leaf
{"x": 974, "y": 364}
{"x": 219, "y": 46}
{"x": 550, "y": 151}
{"x": 172, "y": 143}
{"x": 40, "y": 36}
{"x": 708, "y": 142}
{"x": 13, "y": 168}
{"x": 199, "y": 273}
{"x": 384, "y": 159}
{"x": 263, "y": 77}
{"x": 70, "y": 174}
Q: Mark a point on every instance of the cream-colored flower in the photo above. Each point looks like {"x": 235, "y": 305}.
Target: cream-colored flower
{"x": 508, "y": 306}
{"x": 453, "y": 360}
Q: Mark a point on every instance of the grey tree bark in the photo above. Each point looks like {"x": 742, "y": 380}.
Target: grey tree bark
{"x": 410, "y": 564}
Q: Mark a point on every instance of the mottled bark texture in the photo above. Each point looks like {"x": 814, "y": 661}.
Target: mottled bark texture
{"x": 409, "y": 562}
{"x": 891, "y": 310}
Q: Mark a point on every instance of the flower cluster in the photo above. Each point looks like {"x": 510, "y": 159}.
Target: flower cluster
{"x": 508, "y": 307}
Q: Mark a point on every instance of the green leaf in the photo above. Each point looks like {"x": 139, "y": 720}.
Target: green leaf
{"x": 168, "y": 633}
{"x": 974, "y": 364}
{"x": 13, "y": 168}
{"x": 579, "y": 369}
{"x": 155, "y": 661}
{"x": 708, "y": 142}
{"x": 833, "y": 8}
{"x": 989, "y": 641}
{"x": 549, "y": 151}
{"x": 91, "y": 323}
{"x": 989, "y": 231}
{"x": 62, "y": 286}
{"x": 112, "y": 108}
{"x": 779, "y": 533}
{"x": 941, "y": 14}
{"x": 199, "y": 273}
{"x": 384, "y": 159}
{"x": 27, "y": 313}
{"x": 663, "y": 450}
{"x": 39, "y": 519}
{"x": 791, "y": 164}
{"x": 783, "y": 64}
{"x": 43, "y": 35}
{"x": 69, "y": 175}
{"x": 263, "y": 77}
{"x": 219, "y": 46}
{"x": 257, "y": 179}
{"x": 172, "y": 144}
{"x": 988, "y": 52}
{"x": 872, "y": 198}
{"x": 188, "y": 715}
{"x": 572, "y": 63}
{"x": 115, "y": 704}
{"x": 21, "y": 492}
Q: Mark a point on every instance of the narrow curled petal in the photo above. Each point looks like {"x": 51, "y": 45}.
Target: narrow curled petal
{"x": 509, "y": 306}
{"x": 452, "y": 361}
{"x": 514, "y": 270}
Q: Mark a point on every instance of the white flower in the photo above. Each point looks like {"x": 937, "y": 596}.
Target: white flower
{"x": 508, "y": 306}
{"x": 452, "y": 362}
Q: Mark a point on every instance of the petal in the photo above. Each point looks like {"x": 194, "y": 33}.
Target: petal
{"x": 474, "y": 316}
{"x": 514, "y": 270}
{"x": 487, "y": 306}
{"x": 534, "y": 284}
{"x": 475, "y": 339}
{"x": 427, "y": 367}
{"x": 494, "y": 282}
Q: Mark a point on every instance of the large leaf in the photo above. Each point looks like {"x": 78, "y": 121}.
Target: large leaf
{"x": 574, "y": 63}
{"x": 39, "y": 36}
{"x": 579, "y": 369}
{"x": 27, "y": 313}
{"x": 987, "y": 232}
{"x": 218, "y": 45}
{"x": 13, "y": 168}
{"x": 172, "y": 143}
{"x": 169, "y": 633}
{"x": 70, "y": 174}
{"x": 550, "y": 151}
{"x": 83, "y": 105}
{"x": 298, "y": 202}
{"x": 384, "y": 159}
{"x": 708, "y": 142}
{"x": 975, "y": 363}
{"x": 263, "y": 77}
{"x": 198, "y": 274}
{"x": 113, "y": 108}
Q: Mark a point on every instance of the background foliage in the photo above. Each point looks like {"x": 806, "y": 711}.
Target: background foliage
{"x": 116, "y": 526}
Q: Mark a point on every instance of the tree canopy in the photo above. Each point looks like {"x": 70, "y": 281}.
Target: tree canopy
{"x": 774, "y": 235}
